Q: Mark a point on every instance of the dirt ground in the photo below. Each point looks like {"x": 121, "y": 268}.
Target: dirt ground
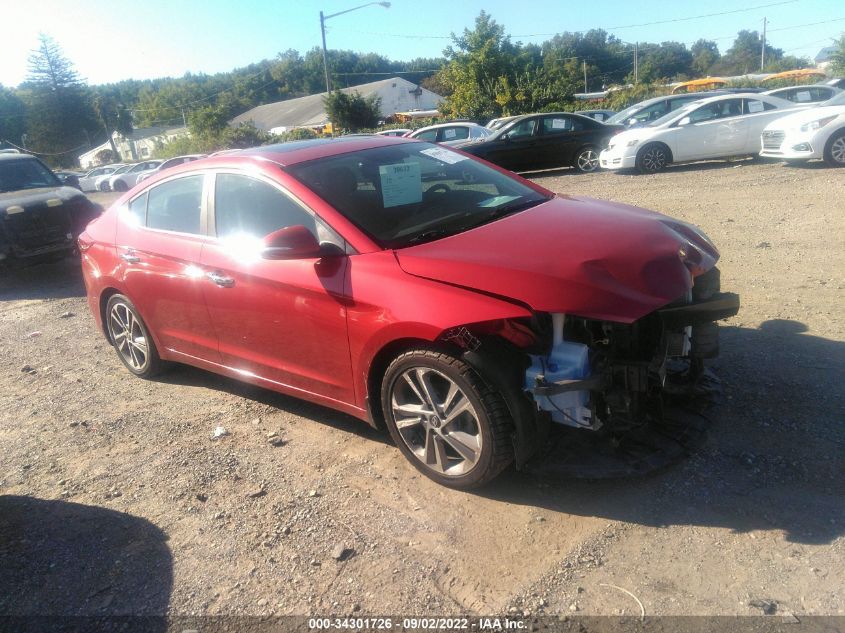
{"x": 114, "y": 499}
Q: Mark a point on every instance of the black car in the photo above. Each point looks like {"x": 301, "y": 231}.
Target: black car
{"x": 543, "y": 141}
{"x": 39, "y": 216}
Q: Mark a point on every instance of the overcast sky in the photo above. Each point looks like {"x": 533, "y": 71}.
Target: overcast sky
{"x": 111, "y": 40}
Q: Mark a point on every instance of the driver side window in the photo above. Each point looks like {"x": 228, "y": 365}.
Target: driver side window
{"x": 245, "y": 205}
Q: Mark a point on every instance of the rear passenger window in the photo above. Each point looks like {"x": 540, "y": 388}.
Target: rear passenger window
{"x": 244, "y": 205}
{"x": 176, "y": 205}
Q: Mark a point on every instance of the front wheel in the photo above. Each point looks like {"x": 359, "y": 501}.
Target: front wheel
{"x": 445, "y": 419}
{"x": 131, "y": 339}
{"x": 834, "y": 153}
{"x": 586, "y": 160}
{"x": 652, "y": 158}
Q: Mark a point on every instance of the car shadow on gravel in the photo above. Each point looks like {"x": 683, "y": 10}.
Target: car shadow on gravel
{"x": 54, "y": 280}
{"x": 774, "y": 458}
{"x": 66, "y": 559}
{"x": 193, "y": 377}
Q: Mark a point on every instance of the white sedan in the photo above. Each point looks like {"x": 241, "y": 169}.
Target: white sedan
{"x": 817, "y": 132}
{"x": 716, "y": 127}
{"x": 87, "y": 182}
{"x": 129, "y": 178}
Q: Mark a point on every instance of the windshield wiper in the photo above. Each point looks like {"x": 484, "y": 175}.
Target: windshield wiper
{"x": 508, "y": 209}
{"x": 431, "y": 234}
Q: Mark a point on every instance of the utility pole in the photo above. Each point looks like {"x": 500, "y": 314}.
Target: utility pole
{"x": 763, "y": 49}
{"x": 585, "y": 76}
{"x": 325, "y": 59}
{"x": 184, "y": 122}
{"x": 636, "y": 63}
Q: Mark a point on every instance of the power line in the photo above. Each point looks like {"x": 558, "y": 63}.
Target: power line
{"x": 612, "y": 28}
{"x": 29, "y": 151}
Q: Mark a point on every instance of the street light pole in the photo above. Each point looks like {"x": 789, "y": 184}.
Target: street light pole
{"x": 323, "y": 19}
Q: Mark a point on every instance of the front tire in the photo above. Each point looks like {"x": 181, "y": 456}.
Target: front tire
{"x": 131, "y": 338}
{"x": 451, "y": 425}
{"x": 586, "y": 160}
{"x": 653, "y": 158}
{"x": 834, "y": 151}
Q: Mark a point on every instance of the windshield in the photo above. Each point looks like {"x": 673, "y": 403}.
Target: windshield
{"x": 25, "y": 174}
{"x": 624, "y": 115}
{"x": 674, "y": 114}
{"x": 415, "y": 192}
{"x": 121, "y": 170}
{"x": 836, "y": 100}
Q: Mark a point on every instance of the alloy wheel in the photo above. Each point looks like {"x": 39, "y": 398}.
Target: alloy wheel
{"x": 436, "y": 420}
{"x": 588, "y": 160}
{"x": 654, "y": 159}
{"x": 837, "y": 150}
{"x": 129, "y": 338}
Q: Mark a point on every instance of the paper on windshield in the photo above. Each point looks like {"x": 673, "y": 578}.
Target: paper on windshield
{"x": 755, "y": 106}
{"x": 400, "y": 184}
{"x": 803, "y": 95}
{"x": 443, "y": 155}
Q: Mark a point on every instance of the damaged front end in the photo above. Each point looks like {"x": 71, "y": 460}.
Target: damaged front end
{"x": 615, "y": 379}
{"x": 601, "y": 374}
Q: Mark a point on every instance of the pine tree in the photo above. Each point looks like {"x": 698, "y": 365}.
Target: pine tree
{"x": 59, "y": 112}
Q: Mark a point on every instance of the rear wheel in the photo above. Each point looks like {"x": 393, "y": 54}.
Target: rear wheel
{"x": 834, "y": 152}
{"x": 121, "y": 186}
{"x": 445, "y": 419}
{"x": 131, "y": 338}
{"x": 653, "y": 158}
{"x": 587, "y": 159}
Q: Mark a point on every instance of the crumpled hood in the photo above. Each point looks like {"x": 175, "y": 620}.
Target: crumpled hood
{"x": 38, "y": 197}
{"x": 576, "y": 255}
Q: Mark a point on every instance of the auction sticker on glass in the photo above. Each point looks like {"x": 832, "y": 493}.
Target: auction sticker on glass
{"x": 400, "y": 184}
{"x": 444, "y": 155}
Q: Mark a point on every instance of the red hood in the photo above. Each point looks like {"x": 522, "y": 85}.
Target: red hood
{"x": 581, "y": 256}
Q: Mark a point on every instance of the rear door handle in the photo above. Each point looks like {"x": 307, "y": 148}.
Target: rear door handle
{"x": 221, "y": 280}
{"x": 130, "y": 257}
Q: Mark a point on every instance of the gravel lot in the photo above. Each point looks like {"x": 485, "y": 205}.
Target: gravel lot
{"x": 114, "y": 499}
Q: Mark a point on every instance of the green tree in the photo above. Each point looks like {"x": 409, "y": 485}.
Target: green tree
{"x": 744, "y": 56}
{"x": 705, "y": 53}
{"x": 837, "y": 58}
{"x": 669, "y": 60}
{"x": 59, "y": 113}
{"x": 352, "y": 111}
{"x": 480, "y": 65}
{"x": 12, "y": 116}
{"x": 113, "y": 118}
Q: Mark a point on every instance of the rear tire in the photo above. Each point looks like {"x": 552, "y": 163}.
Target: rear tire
{"x": 653, "y": 158}
{"x": 834, "y": 151}
{"x": 121, "y": 186}
{"x": 131, "y": 339}
{"x": 449, "y": 423}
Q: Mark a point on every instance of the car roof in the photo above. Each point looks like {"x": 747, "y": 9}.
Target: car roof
{"x": 21, "y": 156}
{"x": 295, "y": 152}
{"x": 437, "y": 126}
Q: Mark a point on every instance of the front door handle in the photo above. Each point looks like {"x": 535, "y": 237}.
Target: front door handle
{"x": 221, "y": 280}
{"x": 130, "y": 257}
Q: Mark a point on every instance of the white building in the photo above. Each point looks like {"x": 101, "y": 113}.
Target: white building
{"x": 138, "y": 145}
{"x": 397, "y": 95}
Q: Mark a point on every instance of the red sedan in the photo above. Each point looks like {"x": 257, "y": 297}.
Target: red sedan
{"x": 412, "y": 286}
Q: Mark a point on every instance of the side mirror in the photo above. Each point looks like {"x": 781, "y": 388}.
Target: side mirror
{"x": 632, "y": 122}
{"x": 292, "y": 242}
{"x": 684, "y": 121}
{"x": 71, "y": 181}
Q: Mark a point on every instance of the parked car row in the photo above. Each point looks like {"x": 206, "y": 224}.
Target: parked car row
{"x": 123, "y": 176}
